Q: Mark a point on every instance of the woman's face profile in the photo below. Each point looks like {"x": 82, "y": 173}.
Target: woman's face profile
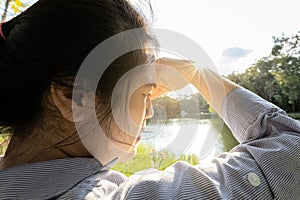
{"x": 140, "y": 105}
{"x": 140, "y": 109}
{"x": 131, "y": 106}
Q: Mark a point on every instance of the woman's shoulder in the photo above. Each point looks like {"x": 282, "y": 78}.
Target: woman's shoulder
{"x": 48, "y": 179}
{"x": 98, "y": 186}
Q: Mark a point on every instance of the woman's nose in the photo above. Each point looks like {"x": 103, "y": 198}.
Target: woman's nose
{"x": 149, "y": 112}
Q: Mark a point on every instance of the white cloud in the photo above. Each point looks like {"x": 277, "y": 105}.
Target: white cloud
{"x": 234, "y": 53}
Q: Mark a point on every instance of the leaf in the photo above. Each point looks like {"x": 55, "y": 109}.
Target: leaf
{"x": 15, "y": 8}
{"x": 18, "y": 3}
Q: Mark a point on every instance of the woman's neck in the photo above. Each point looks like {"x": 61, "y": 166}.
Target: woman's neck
{"x": 41, "y": 146}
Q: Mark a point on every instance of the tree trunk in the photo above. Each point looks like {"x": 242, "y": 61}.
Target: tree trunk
{"x": 293, "y": 107}
{"x": 5, "y": 11}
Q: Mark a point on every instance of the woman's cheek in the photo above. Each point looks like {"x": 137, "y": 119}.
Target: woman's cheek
{"x": 138, "y": 110}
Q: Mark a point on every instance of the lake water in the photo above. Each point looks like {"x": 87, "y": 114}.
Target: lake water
{"x": 203, "y": 138}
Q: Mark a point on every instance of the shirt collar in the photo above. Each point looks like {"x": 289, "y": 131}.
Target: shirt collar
{"x": 47, "y": 179}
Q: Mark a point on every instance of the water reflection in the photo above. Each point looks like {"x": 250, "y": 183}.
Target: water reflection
{"x": 203, "y": 137}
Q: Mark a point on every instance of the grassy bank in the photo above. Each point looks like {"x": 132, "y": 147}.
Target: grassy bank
{"x": 294, "y": 115}
{"x": 147, "y": 157}
{"x": 4, "y": 139}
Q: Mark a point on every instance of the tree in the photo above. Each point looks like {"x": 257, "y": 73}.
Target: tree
{"x": 259, "y": 79}
{"x": 286, "y": 59}
{"x": 14, "y": 5}
{"x": 193, "y": 105}
{"x": 170, "y": 106}
{"x": 277, "y": 76}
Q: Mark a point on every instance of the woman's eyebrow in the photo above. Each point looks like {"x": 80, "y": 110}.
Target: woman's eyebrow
{"x": 150, "y": 85}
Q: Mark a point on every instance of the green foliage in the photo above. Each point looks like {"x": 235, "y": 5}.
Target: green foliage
{"x": 276, "y": 78}
{"x": 170, "y": 105}
{"x": 4, "y": 140}
{"x": 226, "y": 138}
{"x": 194, "y": 106}
{"x": 294, "y": 115}
{"x": 16, "y": 5}
{"x": 147, "y": 157}
{"x": 13, "y": 7}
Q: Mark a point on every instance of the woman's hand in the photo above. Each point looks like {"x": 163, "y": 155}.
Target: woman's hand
{"x": 172, "y": 74}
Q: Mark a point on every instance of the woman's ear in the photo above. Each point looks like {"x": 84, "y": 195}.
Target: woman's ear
{"x": 63, "y": 101}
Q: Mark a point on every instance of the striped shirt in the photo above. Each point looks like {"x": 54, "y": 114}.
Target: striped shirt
{"x": 265, "y": 165}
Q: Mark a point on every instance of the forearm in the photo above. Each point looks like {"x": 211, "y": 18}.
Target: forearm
{"x": 213, "y": 87}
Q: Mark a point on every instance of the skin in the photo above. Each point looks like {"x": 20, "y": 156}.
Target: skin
{"x": 210, "y": 85}
{"x": 54, "y": 143}
{"x": 60, "y": 140}
{"x": 140, "y": 105}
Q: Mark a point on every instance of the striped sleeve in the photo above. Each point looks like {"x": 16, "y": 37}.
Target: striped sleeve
{"x": 250, "y": 117}
{"x": 266, "y": 165}
{"x": 270, "y": 137}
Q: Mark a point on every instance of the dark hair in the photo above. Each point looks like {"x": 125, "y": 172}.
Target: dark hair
{"x": 48, "y": 42}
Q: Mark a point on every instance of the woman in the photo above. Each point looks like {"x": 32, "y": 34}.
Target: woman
{"x": 41, "y": 52}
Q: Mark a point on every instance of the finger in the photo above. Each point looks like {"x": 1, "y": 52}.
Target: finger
{"x": 172, "y": 62}
{"x": 158, "y": 91}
